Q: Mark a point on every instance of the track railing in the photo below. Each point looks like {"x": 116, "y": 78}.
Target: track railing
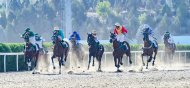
{"x": 105, "y": 56}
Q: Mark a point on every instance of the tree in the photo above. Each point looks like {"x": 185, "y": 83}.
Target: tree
{"x": 142, "y": 18}
{"x": 103, "y": 8}
{"x": 163, "y": 26}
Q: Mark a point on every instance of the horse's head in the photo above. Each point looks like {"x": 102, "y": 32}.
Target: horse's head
{"x": 90, "y": 39}
{"x": 26, "y": 37}
{"x": 145, "y": 37}
{"x": 55, "y": 38}
{"x": 73, "y": 41}
{"x": 29, "y": 47}
{"x": 112, "y": 37}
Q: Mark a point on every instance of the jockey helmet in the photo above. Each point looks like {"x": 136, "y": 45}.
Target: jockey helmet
{"x": 74, "y": 32}
{"x": 167, "y": 32}
{"x": 27, "y": 29}
{"x": 117, "y": 24}
{"x": 56, "y": 28}
{"x": 94, "y": 32}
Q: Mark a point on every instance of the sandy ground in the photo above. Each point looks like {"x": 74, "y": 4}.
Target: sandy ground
{"x": 92, "y": 79}
{"x": 159, "y": 76}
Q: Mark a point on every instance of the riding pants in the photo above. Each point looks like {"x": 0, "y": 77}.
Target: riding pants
{"x": 33, "y": 41}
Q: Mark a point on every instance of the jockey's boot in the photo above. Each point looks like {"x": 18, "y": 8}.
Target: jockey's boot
{"x": 125, "y": 44}
{"x": 155, "y": 44}
{"x": 62, "y": 44}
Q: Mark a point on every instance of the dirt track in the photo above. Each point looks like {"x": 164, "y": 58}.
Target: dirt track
{"x": 145, "y": 79}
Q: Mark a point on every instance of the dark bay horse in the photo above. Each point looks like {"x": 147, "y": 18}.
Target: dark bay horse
{"x": 30, "y": 54}
{"x": 169, "y": 48}
{"x": 119, "y": 51}
{"x": 148, "y": 49}
{"x": 77, "y": 49}
{"x": 96, "y": 50}
{"x": 60, "y": 50}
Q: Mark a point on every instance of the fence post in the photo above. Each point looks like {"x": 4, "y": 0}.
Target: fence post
{"x": 161, "y": 53}
{"x": 185, "y": 57}
{"x": 17, "y": 62}
{"x": 105, "y": 59}
{"x": 4, "y": 63}
{"x": 179, "y": 57}
{"x": 135, "y": 58}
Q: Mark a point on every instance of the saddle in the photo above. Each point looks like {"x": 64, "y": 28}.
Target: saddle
{"x": 64, "y": 44}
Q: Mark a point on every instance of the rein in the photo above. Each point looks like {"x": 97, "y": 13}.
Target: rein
{"x": 148, "y": 47}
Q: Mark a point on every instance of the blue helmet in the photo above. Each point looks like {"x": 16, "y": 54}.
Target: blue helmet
{"x": 74, "y": 32}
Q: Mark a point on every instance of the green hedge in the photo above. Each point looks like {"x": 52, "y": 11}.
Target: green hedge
{"x": 19, "y": 47}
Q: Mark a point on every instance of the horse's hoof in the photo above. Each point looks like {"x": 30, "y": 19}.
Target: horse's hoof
{"x": 99, "y": 71}
{"x": 59, "y": 72}
{"x": 146, "y": 67}
{"x": 130, "y": 62}
{"x": 149, "y": 60}
{"x": 78, "y": 66}
{"x": 143, "y": 64}
{"x": 119, "y": 70}
{"x": 121, "y": 63}
{"x": 152, "y": 64}
{"x": 53, "y": 67}
{"x": 93, "y": 65}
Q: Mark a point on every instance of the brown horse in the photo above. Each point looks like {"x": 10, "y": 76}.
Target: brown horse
{"x": 30, "y": 53}
{"x": 60, "y": 50}
{"x": 169, "y": 48}
{"x": 119, "y": 51}
{"x": 148, "y": 49}
{"x": 77, "y": 49}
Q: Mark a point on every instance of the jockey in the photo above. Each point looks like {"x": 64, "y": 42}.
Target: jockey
{"x": 169, "y": 37}
{"x": 75, "y": 35}
{"x": 31, "y": 37}
{"x": 95, "y": 36}
{"x": 60, "y": 35}
{"x": 39, "y": 41}
{"x": 121, "y": 32}
{"x": 149, "y": 30}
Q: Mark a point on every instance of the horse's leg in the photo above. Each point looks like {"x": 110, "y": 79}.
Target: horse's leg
{"x": 53, "y": 61}
{"x": 142, "y": 59}
{"x": 155, "y": 53}
{"x": 89, "y": 61}
{"x": 29, "y": 64}
{"x": 118, "y": 64}
{"x": 129, "y": 55}
{"x": 36, "y": 59}
{"x": 147, "y": 63}
{"x": 93, "y": 61}
{"x": 121, "y": 60}
{"x": 35, "y": 63}
{"x": 60, "y": 63}
{"x": 115, "y": 60}
{"x": 148, "y": 60}
{"x": 99, "y": 63}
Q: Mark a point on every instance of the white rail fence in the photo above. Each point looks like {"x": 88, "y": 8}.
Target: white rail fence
{"x": 136, "y": 53}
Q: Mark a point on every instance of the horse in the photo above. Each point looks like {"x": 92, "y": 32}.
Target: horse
{"x": 78, "y": 50}
{"x": 96, "y": 50}
{"x": 30, "y": 54}
{"x": 148, "y": 49}
{"x": 169, "y": 48}
{"x": 59, "y": 50}
{"x": 119, "y": 51}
